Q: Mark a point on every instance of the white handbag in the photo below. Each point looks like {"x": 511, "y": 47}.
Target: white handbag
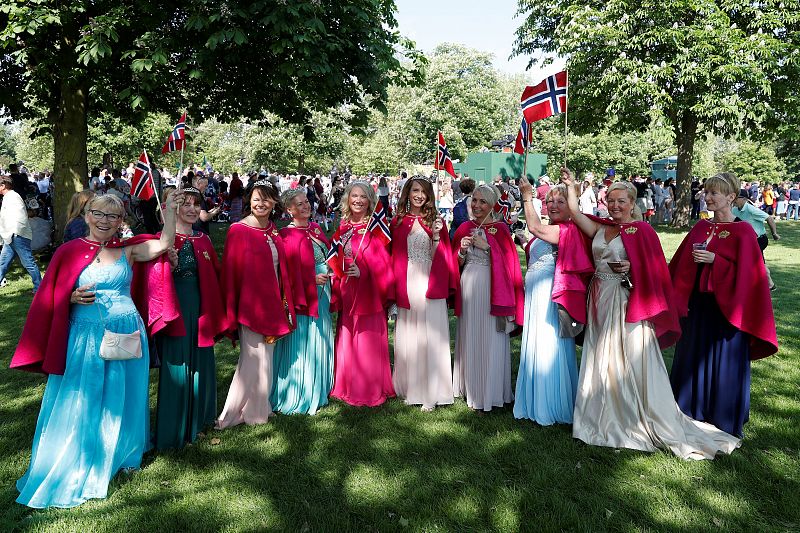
{"x": 119, "y": 346}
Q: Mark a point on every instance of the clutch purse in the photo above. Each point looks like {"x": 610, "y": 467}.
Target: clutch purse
{"x": 119, "y": 346}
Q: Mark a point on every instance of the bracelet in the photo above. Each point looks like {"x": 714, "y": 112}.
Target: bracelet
{"x": 462, "y": 256}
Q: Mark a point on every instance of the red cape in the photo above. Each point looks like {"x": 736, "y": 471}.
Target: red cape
{"x": 302, "y": 266}
{"x": 212, "y": 310}
{"x": 443, "y": 278}
{"x": 253, "y": 294}
{"x": 574, "y": 269}
{"x": 371, "y": 292}
{"x": 736, "y": 277}
{"x": 43, "y": 344}
{"x": 652, "y": 296}
{"x": 508, "y": 295}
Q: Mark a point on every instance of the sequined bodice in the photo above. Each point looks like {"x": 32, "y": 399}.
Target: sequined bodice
{"x": 319, "y": 252}
{"x": 542, "y": 256}
{"x": 187, "y": 263}
{"x": 419, "y": 245}
{"x": 476, "y": 256}
{"x": 352, "y": 239}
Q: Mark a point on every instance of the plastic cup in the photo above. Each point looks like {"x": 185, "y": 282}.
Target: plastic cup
{"x": 698, "y": 246}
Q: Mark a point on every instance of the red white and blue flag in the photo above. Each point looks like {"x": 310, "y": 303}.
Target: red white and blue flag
{"x": 443, "y": 161}
{"x": 523, "y": 138}
{"x": 142, "y": 180}
{"x": 379, "y": 225}
{"x": 546, "y": 99}
{"x": 176, "y": 139}
{"x": 504, "y": 207}
{"x": 333, "y": 258}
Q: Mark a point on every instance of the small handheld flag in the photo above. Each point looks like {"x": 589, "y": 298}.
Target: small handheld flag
{"x": 142, "y": 180}
{"x": 546, "y": 98}
{"x": 176, "y": 139}
{"x": 443, "y": 161}
{"x": 523, "y": 138}
{"x": 504, "y": 207}
{"x": 379, "y": 225}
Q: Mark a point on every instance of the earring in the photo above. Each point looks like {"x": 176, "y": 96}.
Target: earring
{"x": 408, "y": 205}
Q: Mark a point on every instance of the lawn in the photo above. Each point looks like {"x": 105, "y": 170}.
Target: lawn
{"x": 397, "y": 468}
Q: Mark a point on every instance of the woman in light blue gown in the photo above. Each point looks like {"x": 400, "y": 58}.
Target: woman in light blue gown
{"x": 94, "y": 417}
{"x": 547, "y": 379}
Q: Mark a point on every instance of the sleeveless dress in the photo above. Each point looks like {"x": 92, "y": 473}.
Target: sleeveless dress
{"x": 624, "y": 396}
{"x": 304, "y": 359}
{"x": 548, "y": 370}
{"x": 482, "y": 360}
{"x": 187, "y": 379}
{"x": 94, "y": 419}
{"x": 422, "y": 371}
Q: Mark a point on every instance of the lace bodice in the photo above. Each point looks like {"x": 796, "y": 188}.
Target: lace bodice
{"x": 419, "y": 245}
{"x": 187, "y": 263}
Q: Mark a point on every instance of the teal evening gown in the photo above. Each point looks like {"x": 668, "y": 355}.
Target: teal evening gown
{"x": 94, "y": 419}
{"x": 303, "y": 372}
{"x": 187, "y": 384}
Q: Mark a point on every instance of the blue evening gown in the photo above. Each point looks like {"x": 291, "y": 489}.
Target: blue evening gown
{"x": 547, "y": 379}
{"x": 94, "y": 419}
{"x": 303, "y": 367}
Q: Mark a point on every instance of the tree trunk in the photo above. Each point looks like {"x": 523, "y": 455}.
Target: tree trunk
{"x": 685, "y": 135}
{"x": 70, "y": 134}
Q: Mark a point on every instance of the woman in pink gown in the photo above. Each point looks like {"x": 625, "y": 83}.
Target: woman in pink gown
{"x": 363, "y": 286}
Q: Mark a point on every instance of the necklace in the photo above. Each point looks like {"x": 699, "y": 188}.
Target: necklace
{"x": 97, "y": 257}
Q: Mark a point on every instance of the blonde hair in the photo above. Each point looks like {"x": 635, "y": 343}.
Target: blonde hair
{"x": 725, "y": 182}
{"x": 491, "y": 194}
{"x": 559, "y": 189}
{"x": 630, "y": 190}
{"x": 77, "y": 204}
{"x": 105, "y": 201}
{"x": 344, "y": 204}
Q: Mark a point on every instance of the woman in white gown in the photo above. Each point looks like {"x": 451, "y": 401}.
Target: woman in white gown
{"x": 624, "y": 398}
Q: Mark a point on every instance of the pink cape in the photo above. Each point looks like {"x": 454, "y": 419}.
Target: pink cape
{"x": 652, "y": 296}
{"x": 574, "y": 269}
{"x": 302, "y": 266}
{"x": 371, "y": 292}
{"x": 443, "y": 278}
{"x": 212, "y": 317}
{"x": 736, "y": 277}
{"x": 43, "y": 344}
{"x": 253, "y": 294}
{"x": 508, "y": 296}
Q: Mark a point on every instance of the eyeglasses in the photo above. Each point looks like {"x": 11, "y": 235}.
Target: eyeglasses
{"x": 99, "y": 215}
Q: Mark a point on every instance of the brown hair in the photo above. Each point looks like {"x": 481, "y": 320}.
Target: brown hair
{"x": 429, "y": 213}
{"x": 267, "y": 191}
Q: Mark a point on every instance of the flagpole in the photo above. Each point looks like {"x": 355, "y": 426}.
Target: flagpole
{"x": 566, "y": 111}
{"x": 153, "y": 182}
{"x": 527, "y": 149}
{"x": 438, "y": 170}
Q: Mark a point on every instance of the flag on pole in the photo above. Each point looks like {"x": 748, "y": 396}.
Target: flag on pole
{"x": 504, "y": 207}
{"x": 443, "y": 161}
{"x": 176, "y": 139}
{"x": 379, "y": 225}
{"x": 142, "y": 180}
{"x": 545, "y": 99}
{"x": 333, "y": 259}
{"x": 523, "y": 138}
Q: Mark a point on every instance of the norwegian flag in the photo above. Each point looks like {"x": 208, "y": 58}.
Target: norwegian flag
{"x": 333, "y": 259}
{"x": 545, "y": 99}
{"x": 379, "y": 225}
{"x": 176, "y": 139}
{"x": 504, "y": 207}
{"x": 142, "y": 180}
{"x": 443, "y": 161}
{"x": 523, "y": 138}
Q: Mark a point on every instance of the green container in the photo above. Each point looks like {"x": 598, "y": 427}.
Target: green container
{"x": 484, "y": 166}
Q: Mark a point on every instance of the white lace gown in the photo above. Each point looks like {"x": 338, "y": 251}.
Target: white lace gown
{"x": 422, "y": 365}
{"x": 624, "y": 396}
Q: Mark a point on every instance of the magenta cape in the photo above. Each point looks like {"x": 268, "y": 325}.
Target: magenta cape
{"x": 43, "y": 344}
{"x": 508, "y": 296}
{"x": 371, "y": 292}
{"x": 443, "y": 278}
{"x": 253, "y": 294}
{"x": 652, "y": 296}
{"x": 212, "y": 310}
{"x": 736, "y": 277}
{"x": 302, "y": 266}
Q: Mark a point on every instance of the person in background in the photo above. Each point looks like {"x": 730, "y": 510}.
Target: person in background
{"x": 461, "y": 210}
{"x": 793, "y": 209}
{"x": 15, "y": 232}
{"x": 76, "y": 222}
{"x": 744, "y": 210}
{"x": 203, "y": 223}
{"x": 768, "y": 197}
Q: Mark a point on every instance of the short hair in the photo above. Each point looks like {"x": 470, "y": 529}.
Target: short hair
{"x": 559, "y": 189}
{"x": 344, "y": 204}
{"x": 7, "y": 181}
{"x": 724, "y": 182}
{"x": 288, "y": 196}
{"x": 102, "y": 203}
{"x": 630, "y": 190}
{"x": 404, "y": 174}
{"x": 467, "y": 185}
{"x": 267, "y": 191}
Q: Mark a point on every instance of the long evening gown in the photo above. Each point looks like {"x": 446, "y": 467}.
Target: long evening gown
{"x": 482, "y": 362}
{"x": 94, "y": 420}
{"x": 624, "y": 397}
{"x": 187, "y": 380}
{"x": 422, "y": 371}
{"x": 304, "y": 359}
{"x": 548, "y": 370}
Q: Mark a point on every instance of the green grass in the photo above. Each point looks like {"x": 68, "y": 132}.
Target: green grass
{"x": 394, "y": 467}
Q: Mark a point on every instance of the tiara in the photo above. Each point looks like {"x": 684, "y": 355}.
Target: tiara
{"x": 425, "y": 178}
{"x": 191, "y": 190}
{"x": 263, "y": 183}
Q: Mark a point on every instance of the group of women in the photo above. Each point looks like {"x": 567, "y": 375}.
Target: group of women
{"x": 274, "y": 293}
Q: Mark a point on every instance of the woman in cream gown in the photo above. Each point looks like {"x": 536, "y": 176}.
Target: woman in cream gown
{"x": 624, "y": 397}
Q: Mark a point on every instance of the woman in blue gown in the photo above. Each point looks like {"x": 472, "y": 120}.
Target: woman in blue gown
{"x": 94, "y": 419}
{"x": 303, "y": 362}
{"x": 547, "y": 379}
